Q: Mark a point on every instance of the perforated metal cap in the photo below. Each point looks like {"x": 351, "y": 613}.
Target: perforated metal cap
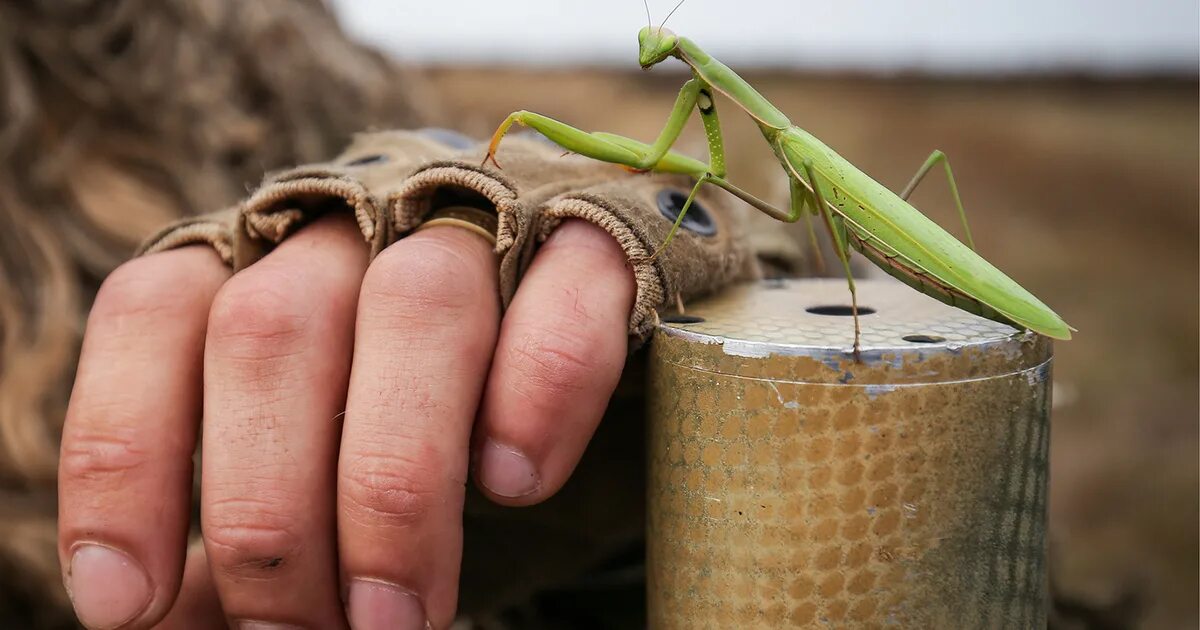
{"x": 811, "y": 319}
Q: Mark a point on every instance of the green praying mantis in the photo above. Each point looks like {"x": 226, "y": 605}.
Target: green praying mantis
{"x": 859, "y": 213}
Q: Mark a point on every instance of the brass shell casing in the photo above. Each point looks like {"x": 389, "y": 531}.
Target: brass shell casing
{"x": 791, "y": 486}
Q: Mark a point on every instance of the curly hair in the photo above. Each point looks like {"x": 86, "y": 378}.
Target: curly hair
{"x": 115, "y": 118}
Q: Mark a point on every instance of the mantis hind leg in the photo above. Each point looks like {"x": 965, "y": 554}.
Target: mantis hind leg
{"x": 933, "y": 159}
{"x": 841, "y": 245}
{"x": 800, "y": 200}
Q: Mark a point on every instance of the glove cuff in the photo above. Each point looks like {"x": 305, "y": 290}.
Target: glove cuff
{"x": 538, "y": 188}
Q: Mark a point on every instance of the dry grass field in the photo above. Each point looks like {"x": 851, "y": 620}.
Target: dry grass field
{"x": 1085, "y": 192}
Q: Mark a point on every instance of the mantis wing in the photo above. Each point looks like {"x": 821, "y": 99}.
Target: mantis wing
{"x": 907, "y": 244}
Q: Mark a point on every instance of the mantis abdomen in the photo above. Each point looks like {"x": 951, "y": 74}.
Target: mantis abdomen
{"x": 908, "y": 245}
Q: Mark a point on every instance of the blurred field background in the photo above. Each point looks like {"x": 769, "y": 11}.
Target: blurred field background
{"x": 1085, "y": 191}
{"x": 1078, "y": 165}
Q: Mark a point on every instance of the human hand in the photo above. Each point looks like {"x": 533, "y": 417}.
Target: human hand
{"x": 311, "y": 518}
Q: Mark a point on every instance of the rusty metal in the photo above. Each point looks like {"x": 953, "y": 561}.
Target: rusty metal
{"x": 792, "y": 487}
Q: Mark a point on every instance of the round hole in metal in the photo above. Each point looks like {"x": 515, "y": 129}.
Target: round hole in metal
{"x": 923, "y": 338}
{"x": 682, "y": 319}
{"x": 839, "y": 310}
{"x": 368, "y": 159}
{"x": 697, "y": 219}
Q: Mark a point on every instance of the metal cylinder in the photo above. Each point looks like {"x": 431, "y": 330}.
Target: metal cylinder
{"x": 793, "y": 486}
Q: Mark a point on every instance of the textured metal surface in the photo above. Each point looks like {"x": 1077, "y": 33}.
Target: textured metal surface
{"x": 791, "y": 486}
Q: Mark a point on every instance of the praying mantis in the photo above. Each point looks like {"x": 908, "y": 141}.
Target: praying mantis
{"x": 858, "y": 212}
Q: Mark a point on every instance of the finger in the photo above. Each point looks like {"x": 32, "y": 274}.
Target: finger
{"x": 426, "y": 329}
{"x": 197, "y": 607}
{"x": 561, "y": 351}
{"x": 125, "y": 472}
{"x": 276, "y": 366}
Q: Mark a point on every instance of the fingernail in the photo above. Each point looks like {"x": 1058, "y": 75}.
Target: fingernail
{"x": 382, "y": 605}
{"x": 107, "y": 587}
{"x": 506, "y": 472}
{"x": 265, "y": 625}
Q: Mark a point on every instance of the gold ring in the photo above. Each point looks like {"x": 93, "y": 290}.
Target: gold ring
{"x": 481, "y": 222}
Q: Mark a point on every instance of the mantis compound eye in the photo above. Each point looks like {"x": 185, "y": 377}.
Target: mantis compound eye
{"x": 698, "y": 219}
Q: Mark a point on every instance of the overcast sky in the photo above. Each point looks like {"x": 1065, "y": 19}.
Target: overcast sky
{"x": 959, "y": 36}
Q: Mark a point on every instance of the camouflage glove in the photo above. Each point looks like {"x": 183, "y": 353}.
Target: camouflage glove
{"x": 356, "y": 181}
{"x": 394, "y": 182}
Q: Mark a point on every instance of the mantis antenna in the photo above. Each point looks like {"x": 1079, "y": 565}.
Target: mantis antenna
{"x": 664, "y": 22}
{"x": 649, "y": 20}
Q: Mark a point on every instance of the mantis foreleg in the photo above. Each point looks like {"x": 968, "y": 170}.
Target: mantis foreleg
{"x": 637, "y": 155}
{"x": 688, "y": 94}
{"x": 626, "y": 151}
{"x": 565, "y": 136}
{"x": 600, "y": 146}
{"x": 841, "y": 245}
{"x": 934, "y": 158}
{"x": 694, "y": 93}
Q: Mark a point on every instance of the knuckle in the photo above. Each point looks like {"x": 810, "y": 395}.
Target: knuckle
{"x": 142, "y": 287}
{"x": 263, "y": 308}
{"x": 389, "y": 490}
{"x": 554, "y": 365}
{"x": 101, "y": 457}
{"x": 249, "y": 538}
{"x": 421, "y": 279}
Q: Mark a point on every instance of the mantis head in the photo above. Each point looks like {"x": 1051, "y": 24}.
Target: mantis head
{"x": 655, "y": 45}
